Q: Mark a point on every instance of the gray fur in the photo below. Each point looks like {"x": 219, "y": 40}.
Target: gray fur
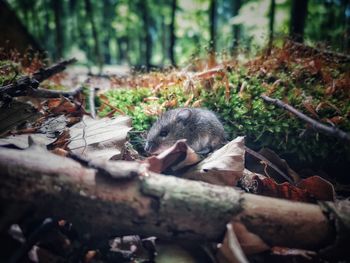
{"x": 200, "y": 127}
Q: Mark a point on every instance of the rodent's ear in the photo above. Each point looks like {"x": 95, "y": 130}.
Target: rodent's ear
{"x": 183, "y": 116}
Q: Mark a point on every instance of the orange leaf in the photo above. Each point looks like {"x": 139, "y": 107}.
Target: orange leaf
{"x": 307, "y": 190}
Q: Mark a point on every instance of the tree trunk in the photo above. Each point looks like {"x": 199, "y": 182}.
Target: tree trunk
{"x": 346, "y": 40}
{"x": 57, "y": 10}
{"x": 124, "y": 198}
{"x": 271, "y": 24}
{"x": 90, "y": 16}
{"x": 108, "y": 13}
{"x": 236, "y": 29}
{"x": 212, "y": 25}
{"x": 297, "y": 19}
{"x": 172, "y": 33}
{"x": 147, "y": 36}
{"x": 13, "y": 34}
{"x": 163, "y": 39}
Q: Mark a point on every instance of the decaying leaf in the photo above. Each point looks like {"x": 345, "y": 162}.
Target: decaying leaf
{"x": 310, "y": 190}
{"x": 318, "y": 188}
{"x": 223, "y": 167}
{"x": 102, "y": 139}
{"x": 61, "y": 105}
{"x": 178, "y": 156}
{"x": 273, "y": 166}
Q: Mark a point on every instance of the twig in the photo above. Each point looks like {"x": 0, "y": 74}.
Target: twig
{"x": 19, "y": 87}
{"x": 46, "y": 73}
{"x": 45, "y": 93}
{"x": 314, "y": 124}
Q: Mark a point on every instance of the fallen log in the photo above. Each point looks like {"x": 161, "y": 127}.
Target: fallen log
{"x": 127, "y": 199}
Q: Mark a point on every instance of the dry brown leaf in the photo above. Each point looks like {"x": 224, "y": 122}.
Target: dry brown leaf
{"x": 153, "y": 110}
{"x": 188, "y": 101}
{"x": 61, "y": 105}
{"x": 273, "y": 166}
{"x": 336, "y": 120}
{"x": 309, "y": 190}
{"x": 197, "y": 103}
{"x": 178, "y": 156}
{"x": 170, "y": 103}
{"x": 310, "y": 108}
{"x": 101, "y": 139}
{"x": 223, "y": 167}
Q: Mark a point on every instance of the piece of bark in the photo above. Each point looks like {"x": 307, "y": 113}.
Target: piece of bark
{"x": 151, "y": 204}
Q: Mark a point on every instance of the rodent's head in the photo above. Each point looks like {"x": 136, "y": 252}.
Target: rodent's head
{"x": 170, "y": 127}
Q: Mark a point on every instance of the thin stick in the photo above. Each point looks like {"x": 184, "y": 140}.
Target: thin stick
{"x": 29, "y": 85}
{"x": 333, "y": 131}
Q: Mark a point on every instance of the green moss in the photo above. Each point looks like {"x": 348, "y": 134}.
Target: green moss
{"x": 245, "y": 113}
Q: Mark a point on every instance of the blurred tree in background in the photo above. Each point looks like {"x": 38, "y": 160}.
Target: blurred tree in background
{"x": 171, "y": 32}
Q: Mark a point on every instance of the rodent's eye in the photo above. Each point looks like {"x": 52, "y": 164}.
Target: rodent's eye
{"x": 163, "y": 133}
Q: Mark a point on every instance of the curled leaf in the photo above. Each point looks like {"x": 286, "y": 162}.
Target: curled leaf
{"x": 223, "y": 167}
{"x": 178, "y": 156}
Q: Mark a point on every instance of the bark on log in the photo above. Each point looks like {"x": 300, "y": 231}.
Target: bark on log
{"x": 138, "y": 202}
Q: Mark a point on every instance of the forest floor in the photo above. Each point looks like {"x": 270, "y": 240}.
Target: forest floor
{"x": 287, "y": 118}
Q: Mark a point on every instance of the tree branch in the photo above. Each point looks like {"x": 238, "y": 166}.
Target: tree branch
{"x": 26, "y": 85}
{"x": 314, "y": 124}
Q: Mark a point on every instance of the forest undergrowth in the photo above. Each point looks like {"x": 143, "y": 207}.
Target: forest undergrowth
{"x": 315, "y": 82}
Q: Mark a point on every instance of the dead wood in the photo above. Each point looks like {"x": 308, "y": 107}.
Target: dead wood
{"x": 45, "y": 93}
{"x": 333, "y": 131}
{"x": 43, "y": 74}
{"x": 136, "y": 201}
{"x": 28, "y": 86}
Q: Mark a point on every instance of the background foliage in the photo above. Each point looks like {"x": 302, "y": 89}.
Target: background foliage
{"x": 139, "y": 32}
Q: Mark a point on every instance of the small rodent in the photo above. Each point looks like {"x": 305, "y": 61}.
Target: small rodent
{"x": 200, "y": 127}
